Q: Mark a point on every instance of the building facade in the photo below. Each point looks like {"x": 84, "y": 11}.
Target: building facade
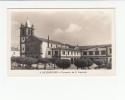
{"x": 15, "y": 52}
{"x": 33, "y": 46}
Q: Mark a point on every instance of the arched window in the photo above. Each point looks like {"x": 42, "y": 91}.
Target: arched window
{"x": 31, "y": 32}
{"x": 28, "y": 32}
{"x": 23, "y": 32}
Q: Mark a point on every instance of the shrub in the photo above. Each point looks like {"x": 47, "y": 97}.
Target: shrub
{"x": 80, "y": 63}
{"x": 89, "y": 63}
{"x": 29, "y": 61}
{"x": 44, "y": 61}
{"x": 109, "y": 65}
{"x": 98, "y": 62}
{"x": 16, "y": 59}
{"x": 53, "y": 60}
{"x": 63, "y": 63}
{"x": 13, "y": 59}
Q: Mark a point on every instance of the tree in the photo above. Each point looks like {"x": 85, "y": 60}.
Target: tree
{"x": 98, "y": 62}
{"x": 89, "y": 63}
{"x": 13, "y": 59}
{"x": 63, "y": 63}
{"x": 109, "y": 65}
{"x": 29, "y": 61}
{"x": 44, "y": 61}
{"x": 18, "y": 60}
{"x": 53, "y": 60}
{"x": 80, "y": 63}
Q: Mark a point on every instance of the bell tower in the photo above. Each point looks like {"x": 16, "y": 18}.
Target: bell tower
{"x": 25, "y": 32}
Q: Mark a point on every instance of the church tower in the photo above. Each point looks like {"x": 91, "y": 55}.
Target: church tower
{"x": 25, "y": 32}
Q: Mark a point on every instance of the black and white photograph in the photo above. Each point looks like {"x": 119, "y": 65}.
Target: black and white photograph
{"x": 61, "y": 39}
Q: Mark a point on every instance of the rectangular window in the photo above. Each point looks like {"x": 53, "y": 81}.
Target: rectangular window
{"x": 23, "y": 48}
{"x": 90, "y": 52}
{"x": 96, "y": 52}
{"x": 51, "y": 45}
{"x": 74, "y": 53}
{"x": 110, "y": 50}
{"x": 49, "y": 52}
{"x": 23, "y": 38}
{"x": 103, "y": 52}
{"x": 77, "y": 53}
{"x": 56, "y": 53}
{"x": 71, "y": 53}
{"x": 56, "y": 46}
{"x": 68, "y": 52}
{"x": 63, "y": 52}
{"x": 84, "y": 52}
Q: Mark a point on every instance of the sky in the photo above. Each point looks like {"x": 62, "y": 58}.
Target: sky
{"x": 72, "y": 26}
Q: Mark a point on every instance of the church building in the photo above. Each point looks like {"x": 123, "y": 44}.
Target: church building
{"x": 33, "y": 46}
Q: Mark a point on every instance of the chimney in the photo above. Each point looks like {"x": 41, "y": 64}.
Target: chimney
{"x": 48, "y": 41}
{"x": 77, "y": 45}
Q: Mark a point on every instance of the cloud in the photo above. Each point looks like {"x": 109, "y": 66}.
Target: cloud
{"x": 15, "y": 22}
{"x": 73, "y": 28}
{"x": 58, "y": 31}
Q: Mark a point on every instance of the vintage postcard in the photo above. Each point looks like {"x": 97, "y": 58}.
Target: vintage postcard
{"x": 61, "y": 42}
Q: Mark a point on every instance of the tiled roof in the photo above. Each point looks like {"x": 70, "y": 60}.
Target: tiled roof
{"x": 65, "y": 49}
{"x": 52, "y": 41}
{"x": 14, "y": 49}
{"x": 94, "y": 46}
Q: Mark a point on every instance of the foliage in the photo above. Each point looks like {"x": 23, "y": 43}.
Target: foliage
{"x": 89, "y": 63}
{"x": 44, "y": 61}
{"x": 16, "y": 59}
{"x": 80, "y": 63}
{"x": 24, "y": 60}
{"x": 29, "y": 61}
{"x": 98, "y": 62}
{"x": 109, "y": 65}
{"x": 63, "y": 63}
{"x": 53, "y": 60}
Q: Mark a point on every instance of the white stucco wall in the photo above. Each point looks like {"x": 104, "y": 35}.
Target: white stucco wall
{"x": 44, "y": 49}
{"x": 54, "y": 45}
{"x": 66, "y": 53}
{"x": 94, "y": 49}
{"x": 15, "y": 53}
{"x": 49, "y": 56}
